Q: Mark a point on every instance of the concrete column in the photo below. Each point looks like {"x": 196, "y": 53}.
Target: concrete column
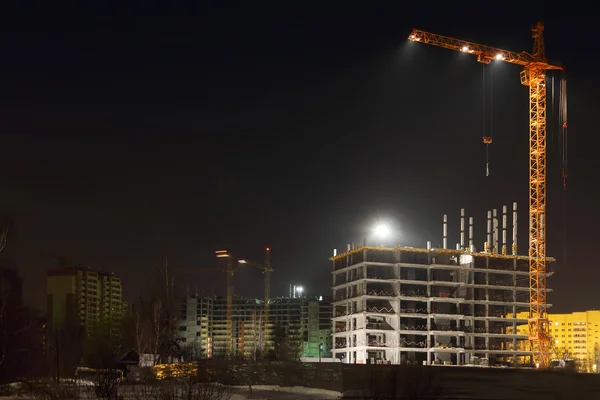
{"x": 428, "y": 280}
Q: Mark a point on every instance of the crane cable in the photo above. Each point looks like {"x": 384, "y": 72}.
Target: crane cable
{"x": 563, "y": 125}
{"x": 491, "y": 128}
{"x": 487, "y": 140}
{"x": 564, "y": 142}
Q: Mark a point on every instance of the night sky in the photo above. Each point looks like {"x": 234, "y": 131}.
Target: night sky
{"x": 132, "y": 134}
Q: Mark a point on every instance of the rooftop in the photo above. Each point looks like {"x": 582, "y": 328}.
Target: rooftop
{"x": 433, "y": 250}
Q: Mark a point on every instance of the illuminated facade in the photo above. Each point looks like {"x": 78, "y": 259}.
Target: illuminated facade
{"x": 203, "y": 324}
{"x": 195, "y": 329}
{"x": 316, "y": 327}
{"x": 575, "y": 336}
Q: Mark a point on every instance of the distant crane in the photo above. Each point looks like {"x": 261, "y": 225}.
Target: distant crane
{"x": 267, "y": 270}
{"x": 534, "y": 76}
{"x": 229, "y": 270}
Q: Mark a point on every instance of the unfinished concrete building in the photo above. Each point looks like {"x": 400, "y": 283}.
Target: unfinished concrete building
{"x": 404, "y": 305}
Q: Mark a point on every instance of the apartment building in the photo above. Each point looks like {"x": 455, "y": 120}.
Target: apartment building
{"x": 316, "y": 327}
{"x": 82, "y": 297}
{"x": 575, "y": 336}
{"x": 195, "y": 328}
{"x": 204, "y": 323}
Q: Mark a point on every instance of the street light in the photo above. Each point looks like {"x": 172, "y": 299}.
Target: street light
{"x": 320, "y": 350}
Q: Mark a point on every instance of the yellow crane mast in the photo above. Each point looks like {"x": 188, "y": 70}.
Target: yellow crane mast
{"x": 534, "y": 76}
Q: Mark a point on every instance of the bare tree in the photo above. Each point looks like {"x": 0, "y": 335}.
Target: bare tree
{"x": 259, "y": 338}
{"x": 156, "y": 326}
{"x": 192, "y": 351}
{"x": 152, "y": 325}
{"x": 560, "y": 352}
{"x": 3, "y": 325}
{"x": 44, "y": 389}
{"x": 186, "y": 388}
{"x": 287, "y": 344}
{"x": 4, "y": 294}
{"x": 4, "y": 236}
{"x": 139, "y": 332}
{"x": 106, "y": 385}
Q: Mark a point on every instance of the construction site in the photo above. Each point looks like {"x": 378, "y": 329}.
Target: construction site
{"x": 402, "y": 305}
{"x": 428, "y": 306}
{"x": 449, "y": 306}
{"x": 296, "y": 321}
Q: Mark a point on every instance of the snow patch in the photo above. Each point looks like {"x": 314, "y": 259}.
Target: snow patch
{"x": 293, "y": 389}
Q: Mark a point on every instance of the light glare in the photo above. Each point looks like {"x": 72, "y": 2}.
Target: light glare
{"x": 382, "y": 231}
{"x": 499, "y": 56}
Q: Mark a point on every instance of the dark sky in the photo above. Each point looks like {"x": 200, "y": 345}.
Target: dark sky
{"x": 132, "y": 134}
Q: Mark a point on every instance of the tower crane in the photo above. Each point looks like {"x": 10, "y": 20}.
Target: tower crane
{"x": 267, "y": 270}
{"x": 533, "y": 75}
{"x": 230, "y": 271}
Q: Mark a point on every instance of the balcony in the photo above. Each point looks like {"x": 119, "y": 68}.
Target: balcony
{"x": 413, "y": 343}
{"x": 381, "y": 292}
{"x": 414, "y": 327}
{"x": 382, "y": 325}
{"x": 414, "y": 310}
{"x": 380, "y": 310}
{"x": 413, "y": 292}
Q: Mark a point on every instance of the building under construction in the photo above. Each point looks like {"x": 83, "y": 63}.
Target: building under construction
{"x": 404, "y": 305}
{"x": 203, "y": 324}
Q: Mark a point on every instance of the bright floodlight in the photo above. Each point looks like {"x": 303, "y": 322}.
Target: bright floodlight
{"x": 499, "y": 56}
{"x": 243, "y": 261}
{"x": 299, "y": 289}
{"x": 221, "y": 253}
{"x": 382, "y": 231}
{"x": 465, "y": 48}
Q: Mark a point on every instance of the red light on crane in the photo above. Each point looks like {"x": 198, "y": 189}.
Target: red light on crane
{"x": 268, "y": 249}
